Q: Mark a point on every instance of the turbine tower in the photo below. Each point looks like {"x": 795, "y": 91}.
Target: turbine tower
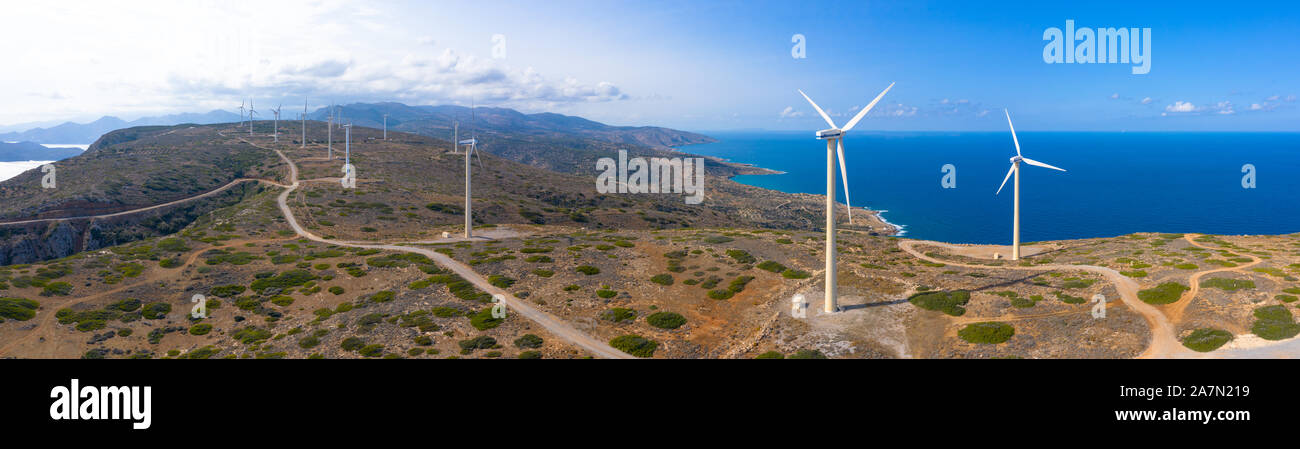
{"x": 329, "y": 131}
{"x": 1015, "y": 168}
{"x": 276, "y": 132}
{"x": 304, "y": 122}
{"x": 241, "y": 113}
{"x": 251, "y": 111}
{"x": 347, "y": 144}
{"x": 385, "y": 126}
{"x": 835, "y": 145}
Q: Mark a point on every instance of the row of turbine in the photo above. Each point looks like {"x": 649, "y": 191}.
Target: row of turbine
{"x": 835, "y": 150}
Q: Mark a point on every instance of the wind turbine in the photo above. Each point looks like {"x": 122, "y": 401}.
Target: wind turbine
{"x": 276, "y": 111}
{"x": 329, "y": 130}
{"x": 835, "y": 145}
{"x": 385, "y": 126}
{"x": 1015, "y": 168}
{"x": 251, "y": 111}
{"x": 471, "y": 149}
{"x": 241, "y": 113}
{"x": 304, "y": 122}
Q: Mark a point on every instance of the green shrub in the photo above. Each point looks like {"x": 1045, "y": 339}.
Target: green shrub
{"x": 483, "y": 320}
{"x": 352, "y": 344}
{"x": 528, "y": 341}
{"x": 227, "y": 291}
{"x": 721, "y": 294}
{"x": 1275, "y": 323}
{"x": 544, "y": 273}
{"x": 1165, "y": 293}
{"x": 635, "y": 344}
{"x": 808, "y": 354}
{"x": 770, "y": 355}
{"x": 952, "y": 303}
{"x": 987, "y": 333}
{"x": 530, "y": 355}
{"x": 539, "y": 259}
{"x": 383, "y": 296}
{"x": 336, "y": 290}
{"x": 500, "y": 281}
{"x": 795, "y": 274}
{"x": 1206, "y": 339}
{"x": 662, "y": 279}
{"x": 618, "y": 315}
{"x": 200, "y": 329}
{"x": 588, "y": 270}
{"x": 284, "y": 281}
{"x": 57, "y": 289}
{"x": 666, "y": 320}
{"x": 252, "y": 335}
{"x": 741, "y": 256}
{"x": 373, "y": 350}
{"x": 156, "y": 310}
{"x": 1285, "y": 298}
{"x": 18, "y": 309}
{"x": 772, "y": 266}
{"x": 1227, "y": 284}
{"x": 480, "y": 342}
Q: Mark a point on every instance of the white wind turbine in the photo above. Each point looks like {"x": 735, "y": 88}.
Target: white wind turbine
{"x": 304, "y": 122}
{"x": 1015, "y": 168}
{"x": 835, "y": 145}
{"x": 471, "y": 150}
{"x": 251, "y": 111}
{"x": 385, "y": 126}
{"x": 241, "y": 113}
{"x": 276, "y": 132}
{"x": 329, "y": 131}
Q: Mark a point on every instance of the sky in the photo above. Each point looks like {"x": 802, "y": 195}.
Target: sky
{"x": 694, "y": 65}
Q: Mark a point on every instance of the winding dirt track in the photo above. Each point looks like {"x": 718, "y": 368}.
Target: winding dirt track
{"x": 1176, "y": 309}
{"x": 1164, "y": 342}
{"x": 552, "y": 323}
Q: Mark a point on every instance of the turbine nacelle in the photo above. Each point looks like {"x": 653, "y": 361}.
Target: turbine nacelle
{"x": 1016, "y": 159}
{"x": 830, "y": 133}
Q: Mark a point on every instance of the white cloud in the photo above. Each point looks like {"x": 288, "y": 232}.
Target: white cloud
{"x": 1147, "y": 100}
{"x": 1114, "y": 96}
{"x": 1224, "y": 107}
{"x": 1181, "y": 106}
{"x": 789, "y": 112}
{"x": 1272, "y": 98}
{"x": 1256, "y": 107}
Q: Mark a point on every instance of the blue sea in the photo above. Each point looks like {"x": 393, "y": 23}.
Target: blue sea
{"x": 1115, "y": 184}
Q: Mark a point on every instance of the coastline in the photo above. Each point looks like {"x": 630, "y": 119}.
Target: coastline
{"x": 877, "y": 216}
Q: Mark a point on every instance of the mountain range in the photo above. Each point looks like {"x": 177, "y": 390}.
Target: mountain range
{"x": 86, "y": 133}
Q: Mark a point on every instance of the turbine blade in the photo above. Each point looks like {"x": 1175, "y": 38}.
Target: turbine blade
{"x": 844, "y": 175}
{"x": 1040, "y": 164}
{"x": 1004, "y": 180}
{"x": 819, "y": 109}
{"x": 863, "y": 112}
{"x": 1013, "y": 132}
{"x": 480, "y": 158}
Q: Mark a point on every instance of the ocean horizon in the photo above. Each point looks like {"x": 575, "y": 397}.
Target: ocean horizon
{"x": 1116, "y": 183}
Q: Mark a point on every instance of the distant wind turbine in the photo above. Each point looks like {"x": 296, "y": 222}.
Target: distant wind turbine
{"x": 304, "y": 122}
{"x": 329, "y": 131}
{"x": 385, "y": 126}
{"x": 835, "y": 145}
{"x": 251, "y": 111}
{"x": 276, "y": 128}
{"x": 1015, "y": 168}
{"x": 241, "y": 113}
